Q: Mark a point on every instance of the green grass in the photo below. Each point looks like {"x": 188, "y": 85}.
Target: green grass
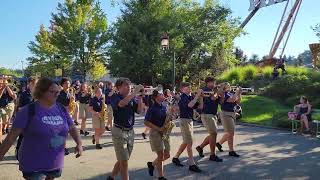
{"x": 264, "y": 111}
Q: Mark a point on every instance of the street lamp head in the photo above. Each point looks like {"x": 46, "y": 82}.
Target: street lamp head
{"x": 165, "y": 41}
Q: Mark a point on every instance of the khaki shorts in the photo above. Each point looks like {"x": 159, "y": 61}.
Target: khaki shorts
{"x": 157, "y": 143}
{"x": 186, "y": 127}
{"x": 123, "y": 143}
{"x": 97, "y": 123}
{"x": 3, "y": 115}
{"x": 83, "y": 110}
{"x": 210, "y": 122}
{"x": 6, "y": 113}
{"x": 227, "y": 119}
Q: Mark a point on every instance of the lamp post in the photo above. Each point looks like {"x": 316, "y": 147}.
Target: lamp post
{"x": 165, "y": 46}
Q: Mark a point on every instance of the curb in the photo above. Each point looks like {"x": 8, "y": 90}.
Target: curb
{"x": 262, "y": 126}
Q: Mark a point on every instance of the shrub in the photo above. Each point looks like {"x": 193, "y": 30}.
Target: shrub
{"x": 267, "y": 72}
{"x": 248, "y": 72}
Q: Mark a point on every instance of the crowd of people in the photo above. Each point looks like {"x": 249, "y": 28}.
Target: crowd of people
{"x": 47, "y": 112}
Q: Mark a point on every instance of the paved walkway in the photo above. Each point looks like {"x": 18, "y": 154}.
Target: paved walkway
{"x": 266, "y": 154}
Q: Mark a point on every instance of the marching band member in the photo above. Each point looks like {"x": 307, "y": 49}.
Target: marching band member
{"x": 155, "y": 119}
{"x": 147, "y": 101}
{"x": 186, "y": 105}
{"x": 7, "y": 97}
{"x": 98, "y": 125}
{"x": 84, "y": 98}
{"x": 209, "y": 119}
{"x": 26, "y": 96}
{"x": 64, "y": 98}
{"x": 108, "y": 93}
{"x": 124, "y": 105}
{"x": 228, "y": 117}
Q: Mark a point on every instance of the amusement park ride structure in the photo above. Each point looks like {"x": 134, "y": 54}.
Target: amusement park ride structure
{"x": 284, "y": 29}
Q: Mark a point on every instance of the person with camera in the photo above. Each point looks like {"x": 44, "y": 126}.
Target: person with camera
{"x": 124, "y": 105}
{"x": 7, "y": 97}
{"x": 209, "y": 118}
{"x": 228, "y": 117}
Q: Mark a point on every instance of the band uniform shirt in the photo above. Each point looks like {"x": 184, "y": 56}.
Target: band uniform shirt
{"x": 123, "y": 116}
{"x": 185, "y": 111}
{"x": 44, "y": 139}
{"x": 147, "y": 100}
{"x": 64, "y": 98}
{"x": 108, "y": 99}
{"x": 210, "y": 106}
{"x": 228, "y": 106}
{"x": 156, "y": 114}
{"x": 96, "y": 103}
{"x": 25, "y": 98}
{"x": 83, "y": 98}
{"x": 5, "y": 99}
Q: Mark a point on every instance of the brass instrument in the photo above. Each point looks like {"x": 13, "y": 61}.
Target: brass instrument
{"x": 72, "y": 104}
{"x": 104, "y": 112}
{"x": 168, "y": 124}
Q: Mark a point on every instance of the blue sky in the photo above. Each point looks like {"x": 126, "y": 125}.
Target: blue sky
{"x": 21, "y": 19}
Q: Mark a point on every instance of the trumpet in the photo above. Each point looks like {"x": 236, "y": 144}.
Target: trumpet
{"x": 148, "y": 91}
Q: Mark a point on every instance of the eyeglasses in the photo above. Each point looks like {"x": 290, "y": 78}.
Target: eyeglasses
{"x": 54, "y": 92}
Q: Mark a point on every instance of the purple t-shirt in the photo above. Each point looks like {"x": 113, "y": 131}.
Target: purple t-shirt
{"x": 42, "y": 148}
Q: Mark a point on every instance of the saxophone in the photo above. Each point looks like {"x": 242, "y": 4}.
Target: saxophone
{"x": 168, "y": 124}
{"x": 72, "y": 104}
{"x": 104, "y": 113}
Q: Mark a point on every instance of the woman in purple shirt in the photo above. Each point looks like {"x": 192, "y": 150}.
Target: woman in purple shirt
{"x": 41, "y": 154}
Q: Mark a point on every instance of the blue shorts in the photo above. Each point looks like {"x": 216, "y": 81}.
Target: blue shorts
{"x": 39, "y": 175}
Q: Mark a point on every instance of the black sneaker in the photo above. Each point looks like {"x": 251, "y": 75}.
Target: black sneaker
{"x": 144, "y": 136}
{"x": 219, "y": 147}
{"x": 76, "y": 123}
{"x": 194, "y": 168}
{"x": 7, "y": 131}
{"x": 200, "y": 151}
{"x": 215, "y": 158}
{"x": 162, "y": 178}
{"x": 81, "y": 132}
{"x": 86, "y": 133}
{"x": 234, "y": 154}
{"x": 307, "y": 131}
{"x": 110, "y": 178}
{"x": 176, "y": 162}
{"x": 150, "y": 168}
{"x": 66, "y": 151}
{"x": 107, "y": 128}
{"x": 93, "y": 140}
{"x": 98, "y": 146}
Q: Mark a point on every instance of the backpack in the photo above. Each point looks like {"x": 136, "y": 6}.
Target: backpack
{"x": 31, "y": 113}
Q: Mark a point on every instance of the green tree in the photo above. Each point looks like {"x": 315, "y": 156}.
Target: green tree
{"x": 316, "y": 29}
{"x": 97, "y": 71}
{"x": 11, "y": 72}
{"x": 196, "y": 33}
{"x": 76, "y": 40}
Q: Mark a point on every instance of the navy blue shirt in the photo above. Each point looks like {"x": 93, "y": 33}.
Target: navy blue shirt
{"x": 83, "y": 98}
{"x": 228, "y": 106}
{"x": 5, "y": 99}
{"x": 147, "y": 100}
{"x": 185, "y": 110}
{"x": 25, "y": 98}
{"x": 123, "y": 116}
{"x": 96, "y": 103}
{"x": 64, "y": 98}
{"x": 156, "y": 114}
{"x": 108, "y": 99}
{"x": 210, "y": 106}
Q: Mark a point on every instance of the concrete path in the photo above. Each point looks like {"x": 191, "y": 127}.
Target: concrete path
{"x": 265, "y": 154}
